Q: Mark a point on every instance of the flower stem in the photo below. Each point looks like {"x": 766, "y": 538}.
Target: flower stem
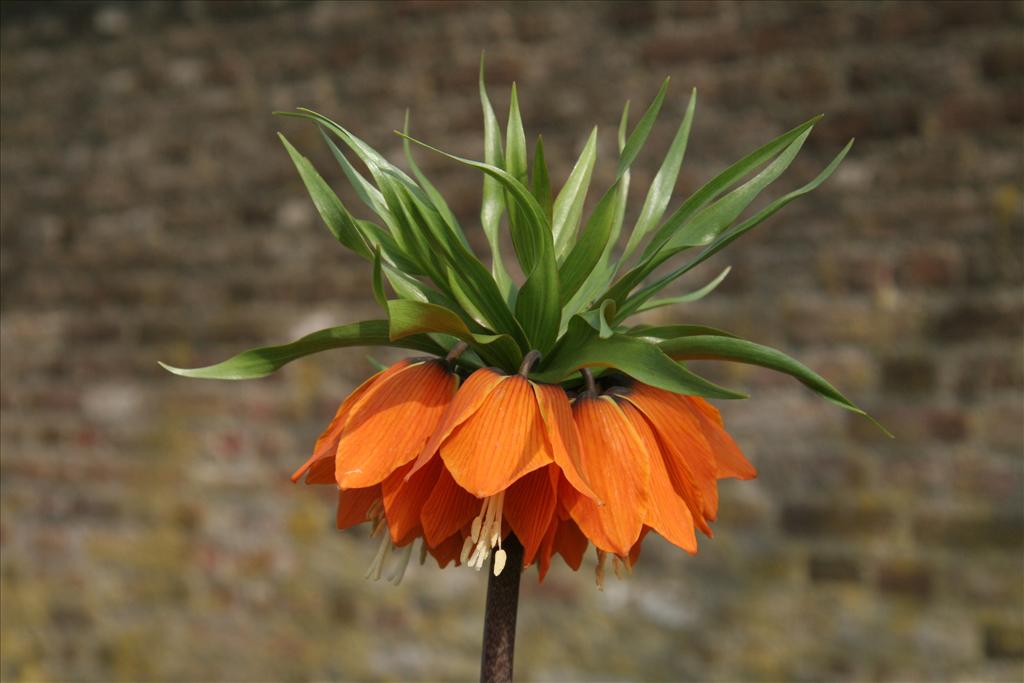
{"x": 500, "y": 617}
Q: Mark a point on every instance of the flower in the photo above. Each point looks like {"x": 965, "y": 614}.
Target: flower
{"x": 506, "y": 441}
{"x": 654, "y": 458}
{"x": 463, "y": 468}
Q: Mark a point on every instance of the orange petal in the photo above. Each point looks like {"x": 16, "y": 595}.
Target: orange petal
{"x": 467, "y": 401}
{"x": 668, "y": 512}
{"x": 448, "y": 508}
{"x": 634, "y": 552}
{"x": 447, "y": 551}
{"x": 619, "y": 471}
{"x": 729, "y": 458}
{"x": 353, "y": 505}
{"x": 547, "y": 547}
{"x": 392, "y": 422}
{"x": 563, "y": 436}
{"x": 687, "y": 452}
{"x": 570, "y": 543}
{"x": 529, "y": 508}
{"x": 327, "y": 445}
{"x": 403, "y": 500}
{"x": 500, "y": 442}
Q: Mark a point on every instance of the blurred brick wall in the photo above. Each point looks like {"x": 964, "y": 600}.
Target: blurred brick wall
{"x": 148, "y": 530}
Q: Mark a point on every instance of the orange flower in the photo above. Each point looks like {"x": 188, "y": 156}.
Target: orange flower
{"x": 654, "y": 457}
{"x": 504, "y": 440}
{"x": 462, "y": 469}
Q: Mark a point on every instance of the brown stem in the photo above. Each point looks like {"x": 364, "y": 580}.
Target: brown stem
{"x": 528, "y": 361}
{"x": 500, "y": 616}
{"x": 588, "y": 380}
{"x": 456, "y": 351}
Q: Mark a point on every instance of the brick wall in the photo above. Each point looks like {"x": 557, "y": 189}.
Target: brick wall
{"x": 148, "y": 530}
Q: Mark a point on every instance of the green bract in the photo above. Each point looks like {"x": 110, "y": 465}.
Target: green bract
{"x": 580, "y": 287}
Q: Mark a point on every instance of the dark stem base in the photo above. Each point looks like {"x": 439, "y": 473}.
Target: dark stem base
{"x": 500, "y": 617}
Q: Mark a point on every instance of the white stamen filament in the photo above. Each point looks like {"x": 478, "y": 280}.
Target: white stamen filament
{"x": 485, "y": 535}
{"x": 398, "y": 571}
{"x": 378, "y": 560}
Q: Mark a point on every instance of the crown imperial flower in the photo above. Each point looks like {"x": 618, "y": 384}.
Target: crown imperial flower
{"x": 540, "y": 416}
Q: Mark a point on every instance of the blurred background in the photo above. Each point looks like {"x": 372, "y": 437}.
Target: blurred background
{"x": 149, "y": 531}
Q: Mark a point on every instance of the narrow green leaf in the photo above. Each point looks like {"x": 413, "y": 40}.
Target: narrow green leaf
{"x": 515, "y": 140}
{"x": 637, "y": 358}
{"x": 366, "y": 192}
{"x": 415, "y": 317}
{"x": 711, "y": 220}
{"x": 568, "y": 206}
{"x": 723, "y": 181}
{"x": 600, "y": 276}
{"x": 378, "y": 281}
{"x": 493, "y": 202}
{"x": 331, "y": 210}
{"x": 695, "y": 295}
{"x": 639, "y": 135}
{"x": 533, "y": 240}
{"x": 743, "y": 351}
{"x": 537, "y": 305}
{"x": 599, "y": 318}
{"x": 263, "y": 361}
{"x": 729, "y": 236}
{"x": 660, "y": 192}
{"x": 587, "y": 251}
{"x": 660, "y": 333}
{"x": 428, "y": 187}
{"x": 540, "y": 181}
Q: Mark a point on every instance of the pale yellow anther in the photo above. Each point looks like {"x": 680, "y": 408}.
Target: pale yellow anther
{"x": 500, "y": 558}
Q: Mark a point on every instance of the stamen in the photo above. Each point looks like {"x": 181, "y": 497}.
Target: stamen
{"x": 373, "y": 573}
{"x": 485, "y": 534}
{"x": 398, "y": 571}
{"x": 500, "y": 558}
{"x": 617, "y": 566}
{"x": 423, "y": 553}
{"x": 599, "y": 571}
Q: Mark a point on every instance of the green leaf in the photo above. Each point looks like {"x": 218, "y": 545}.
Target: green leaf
{"x": 587, "y": 251}
{"x": 415, "y": 317}
{"x": 743, "y": 351}
{"x": 603, "y": 271}
{"x": 515, "y": 140}
{"x": 710, "y": 221}
{"x": 263, "y": 361}
{"x": 568, "y": 207}
{"x": 734, "y": 233}
{"x": 660, "y": 192}
{"x": 493, "y": 203}
{"x": 639, "y": 135}
{"x": 366, "y": 192}
{"x": 659, "y": 333}
{"x": 331, "y": 210}
{"x": 695, "y": 295}
{"x": 599, "y": 317}
{"x": 432, "y": 193}
{"x": 642, "y": 360}
{"x": 378, "y": 281}
{"x": 537, "y": 306}
{"x": 532, "y": 239}
{"x": 723, "y": 181}
{"x": 540, "y": 182}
